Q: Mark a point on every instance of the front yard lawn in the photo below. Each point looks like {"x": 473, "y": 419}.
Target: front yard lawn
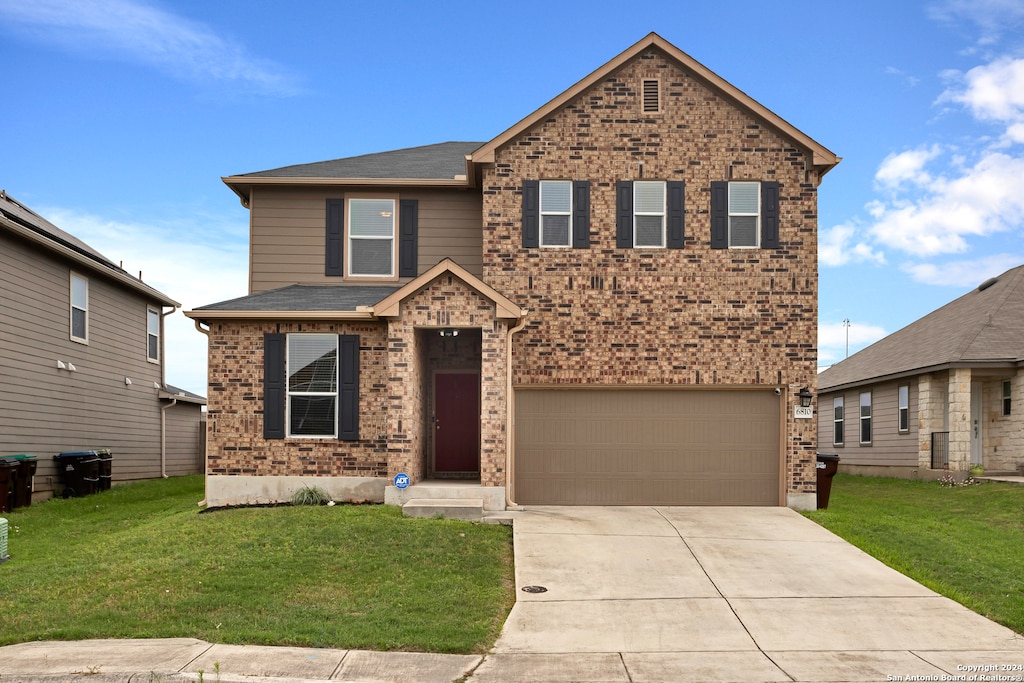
{"x": 965, "y": 542}
{"x": 140, "y": 561}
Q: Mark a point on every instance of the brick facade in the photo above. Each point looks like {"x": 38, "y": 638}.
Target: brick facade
{"x": 695, "y": 316}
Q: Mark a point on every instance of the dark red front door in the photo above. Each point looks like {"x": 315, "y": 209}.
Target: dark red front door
{"x": 456, "y": 422}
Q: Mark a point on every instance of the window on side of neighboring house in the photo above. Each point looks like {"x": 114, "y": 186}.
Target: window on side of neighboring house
{"x": 79, "y": 311}
{"x": 904, "y": 407}
{"x": 312, "y": 371}
{"x": 371, "y": 238}
{"x": 1007, "y": 388}
{"x": 153, "y": 334}
{"x": 865, "y": 417}
{"x": 838, "y": 421}
{"x": 648, "y": 213}
{"x": 744, "y": 214}
{"x": 556, "y": 213}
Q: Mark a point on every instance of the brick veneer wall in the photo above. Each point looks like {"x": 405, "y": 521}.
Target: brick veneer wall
{"x": 694, "y": 316}
{"x": 235, "y": 407}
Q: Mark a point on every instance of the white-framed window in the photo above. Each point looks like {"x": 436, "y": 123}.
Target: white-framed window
{"x": 649, "y": 213}
{"x": 838, "y": 421}
{"x": 371, "y": 237}
{"x": 865, "y": 417}
{"x": 903, "y": 407}
{"x": 556, "y": 213}
{"x": 312, "y": 372}
{"x": 1007, "y": 389}
{"x": 744, "y": 214}
{"x": 153, "y": 334}
{"x": 79, "y": 310}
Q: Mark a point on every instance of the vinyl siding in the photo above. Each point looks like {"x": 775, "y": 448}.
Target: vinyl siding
{"x": 184, "y": 454}
{"x": 48, "y": 410}
{"x": 888, "y": 446}
{"x": 287, "y": 226}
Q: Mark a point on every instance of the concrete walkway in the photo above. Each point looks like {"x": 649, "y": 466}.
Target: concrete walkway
{"x": 633, "y": 594}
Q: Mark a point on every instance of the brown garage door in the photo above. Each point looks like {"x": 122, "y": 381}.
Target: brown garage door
{"x": 647, "y": 447}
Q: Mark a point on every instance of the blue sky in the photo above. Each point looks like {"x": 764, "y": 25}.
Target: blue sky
{"x": 121, "y": 116}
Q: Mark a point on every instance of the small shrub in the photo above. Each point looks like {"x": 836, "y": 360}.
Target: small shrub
{"x": 310, "y": 495}
{"x": 948, "y": 480}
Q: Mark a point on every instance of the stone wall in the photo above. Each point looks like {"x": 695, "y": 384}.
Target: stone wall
{"x": 694, "y": 316}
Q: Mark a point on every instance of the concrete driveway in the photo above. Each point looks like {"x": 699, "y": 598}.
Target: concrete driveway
{"x": 639, "y": 594}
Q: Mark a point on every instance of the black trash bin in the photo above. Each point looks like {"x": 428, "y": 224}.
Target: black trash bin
{"x": 106, "y": 468}
{"x": 79, "y": 472}
{"x": 24, "y": 477}
{"x": 8, "y": 482}
{"x": 828, "y": 465}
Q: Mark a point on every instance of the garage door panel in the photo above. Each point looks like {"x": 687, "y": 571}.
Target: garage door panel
{"x": 629, "y": 447}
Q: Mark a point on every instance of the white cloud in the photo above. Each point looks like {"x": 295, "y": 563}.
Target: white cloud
{"x": 994, "y": 92}
{"x": 194, "y": 262}
{"x": 963, "y": 273}
{"x": 837, "y": 246}
{"x": 832, "y": 340}
{"x": 906, "y": 167}
{"x": 992, "y": 17}
{"x": 138, "y": 31}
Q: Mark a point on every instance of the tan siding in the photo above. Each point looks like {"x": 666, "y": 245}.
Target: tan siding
{"x": 288, "y": 233}
{"x": 48, "y": 410}
{"x": 888, "y": 446}
{"x": 184, "y": 455}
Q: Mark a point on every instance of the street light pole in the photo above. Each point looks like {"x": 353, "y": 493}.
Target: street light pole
{"x": 846, "y": 324}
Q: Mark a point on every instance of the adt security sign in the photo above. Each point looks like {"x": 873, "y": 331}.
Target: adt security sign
{"x": 401, "y": 481}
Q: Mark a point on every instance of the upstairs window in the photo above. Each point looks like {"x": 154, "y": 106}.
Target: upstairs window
{"x": 79, "y": 308}
{"x": 744, "y": 214}
{"x": 371, "y": 237}
{"x": 865, "y": 417}
{"x": 153, "y": 334}
{"x": 648, "y": 213}
{"x": 555, "y": 213}
{"x": 903, "y": 409}
{"x": 838, "y": 421}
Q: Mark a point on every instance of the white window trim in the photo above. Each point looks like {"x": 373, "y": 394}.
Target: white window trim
{"x": 863, "y": 418}
{"x": 153, "y": 309}
{"x": 289, "y": 393}
{"x": 72, "y": 308}
{"x": 393, "y": 275}
{"x": 541, "y": 213}
{"x": 663, "y": 213}
{"x": 756, "y": 215}
{"x": 839, "y": 402}
{"x": 900, "y": 407}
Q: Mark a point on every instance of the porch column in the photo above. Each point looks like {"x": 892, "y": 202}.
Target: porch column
{"x": 931, "y": 416}
{"x": 960, "y": 419}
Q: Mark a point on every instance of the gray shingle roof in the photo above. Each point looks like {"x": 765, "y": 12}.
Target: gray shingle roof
{"x": 306, "y": 298}
{"x": 980, "y": 327}
{"x": 444, "y": 161}
{"x": 26, "y": 217}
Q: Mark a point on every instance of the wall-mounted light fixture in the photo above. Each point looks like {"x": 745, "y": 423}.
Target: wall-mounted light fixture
{"x": 449, "y": 332}
{"x": 805, "y": 397}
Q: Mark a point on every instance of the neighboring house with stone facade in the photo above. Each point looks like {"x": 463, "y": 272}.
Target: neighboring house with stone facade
{"x": 940, "y": 394}
{"x": 612, "y": 302}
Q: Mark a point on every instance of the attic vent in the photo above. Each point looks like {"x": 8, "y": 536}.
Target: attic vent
{"x": 651, "y": 99}
{"x": 987, "y": 283}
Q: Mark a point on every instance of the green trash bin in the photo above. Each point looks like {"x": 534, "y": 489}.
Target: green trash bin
{"x": 24, "y": 479}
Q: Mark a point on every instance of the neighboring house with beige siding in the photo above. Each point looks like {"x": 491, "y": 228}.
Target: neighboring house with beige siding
{"x": 82, "y": 358}
{"x": 940, "y": 394}
{"x": 614, "y": 301}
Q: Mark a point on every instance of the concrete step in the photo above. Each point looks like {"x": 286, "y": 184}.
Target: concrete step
{"x": 467, "y": 509}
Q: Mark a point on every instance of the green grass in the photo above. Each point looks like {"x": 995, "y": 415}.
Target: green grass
{"x": 139, "y": 561}
{"x": 966, "y": 543}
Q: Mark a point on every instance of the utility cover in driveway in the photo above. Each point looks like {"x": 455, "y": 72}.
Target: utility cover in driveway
{"x": 647, "y": 447}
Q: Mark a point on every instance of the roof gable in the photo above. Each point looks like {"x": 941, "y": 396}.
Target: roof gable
{"x": 824, "y": 159}
{"x": 984, "y": 326}
{"x": 504, "y": 308}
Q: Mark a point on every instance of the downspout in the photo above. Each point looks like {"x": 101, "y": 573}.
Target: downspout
{"x": 206, "y": 441}
{"x": 510, "y": 413}
{"x": 163, "y": 436}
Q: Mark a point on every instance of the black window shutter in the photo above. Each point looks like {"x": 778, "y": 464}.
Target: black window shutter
{"x": 408, "y": 218}
{"x": 624, "y": 214}
{"x": 720, "y": 215}
{"x": 335, "y": 237}
{"x": 676, "y": 214}
{"x": 770, "y": 215}
{"x": 273, "y": 385}
{"x": 348, "y": 385}
{"x": 531, "y": 214}
{"x": 581, "y": 214}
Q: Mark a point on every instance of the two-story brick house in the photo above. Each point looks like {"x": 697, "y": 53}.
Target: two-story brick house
{"x": 612, "y": 302}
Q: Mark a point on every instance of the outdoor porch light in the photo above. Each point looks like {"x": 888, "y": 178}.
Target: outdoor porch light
{"x": 449, "y": 332}
{"x": 805, "y": 397}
